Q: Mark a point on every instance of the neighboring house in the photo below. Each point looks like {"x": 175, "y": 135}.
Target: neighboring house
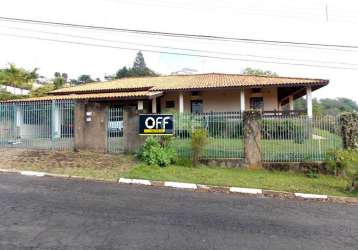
{"x": 199, "y": 93}
{"x": 19, "y": 91}
{"x": 185, "y": 71}
{"x": 14, "y": 90}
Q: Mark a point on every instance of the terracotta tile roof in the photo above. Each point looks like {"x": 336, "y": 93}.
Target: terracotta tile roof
{"x": 101, "y": 96}
{"x": 190, "y": 82}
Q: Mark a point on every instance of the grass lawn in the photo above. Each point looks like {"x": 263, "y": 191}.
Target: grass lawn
{"x": 114, "y": 166}
{"x": 281, "y": 181}
{"x": 273, "y": 150}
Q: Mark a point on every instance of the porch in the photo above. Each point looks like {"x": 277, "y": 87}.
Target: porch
{"x": 272, "y": 101}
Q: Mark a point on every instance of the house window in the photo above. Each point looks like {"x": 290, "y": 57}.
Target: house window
{"x": 170, "y": 104}
{"x": 256, "y": 103}
{"x": 197, "y": 106}
{"x": 195, "y": 93}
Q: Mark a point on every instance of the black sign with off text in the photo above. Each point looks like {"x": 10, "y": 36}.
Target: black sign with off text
{"x": 156, "y": 124}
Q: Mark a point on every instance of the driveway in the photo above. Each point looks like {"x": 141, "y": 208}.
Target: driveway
{"x": 50, "y": 213}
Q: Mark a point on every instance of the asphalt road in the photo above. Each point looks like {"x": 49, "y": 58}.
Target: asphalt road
{"x": 50, "y": 213}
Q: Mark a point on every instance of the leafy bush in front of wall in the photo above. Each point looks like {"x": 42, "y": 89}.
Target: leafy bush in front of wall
{"x": 345, "y": 163}
{"x": 155, "y": 153}
{"x": 199, "y": 138}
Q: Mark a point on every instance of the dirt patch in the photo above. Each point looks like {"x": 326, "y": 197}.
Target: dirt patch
{"x": 64, "y": 162}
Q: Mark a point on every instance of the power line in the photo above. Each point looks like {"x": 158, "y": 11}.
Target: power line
{"x": 185, "y": 35}
{"x": 178, "y": 48}
{"x": 175, "y": 53}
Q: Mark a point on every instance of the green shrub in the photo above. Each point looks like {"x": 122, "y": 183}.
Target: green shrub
{"x": 228, "y": 128}
{"x": 199, "y": 139}
{"x": 345, "y": 163}
{"x": 312, "y": 174}
{"x": 155, "y": 153}
{"x": 284, "y": 130}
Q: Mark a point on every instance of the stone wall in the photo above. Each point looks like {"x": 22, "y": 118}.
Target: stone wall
{"x": 252, "y": 138}
{"x": 349, "y": 123}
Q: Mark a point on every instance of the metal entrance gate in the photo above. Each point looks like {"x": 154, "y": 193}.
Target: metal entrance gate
{"x": 37, "y": 125}
{"x": 115, "y": 130}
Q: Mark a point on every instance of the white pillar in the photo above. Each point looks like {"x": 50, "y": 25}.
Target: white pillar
{"x": 181, "y": 103}
{"x": 309, "y": 102}
{"x": 290, "y": 102}
{"x": 154, "y": 105}
{"x": 140, "y": 105}
{"x": 242, "y": 100}
{"x": 18, "y": 116}
{"x": 18, "y": 121}
{"x": 57, "y": 123}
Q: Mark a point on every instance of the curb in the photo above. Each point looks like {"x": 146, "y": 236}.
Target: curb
{"x": 201, "y": 188}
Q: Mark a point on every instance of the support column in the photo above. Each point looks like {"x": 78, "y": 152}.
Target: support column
{"x": 140, "y": 105}
{"x": 154, "y": 105}
{"x": 309, "y": 102}
{"x": 90, "y": 134}
{"x": 242, "y": 100}
{"x": 18, "y": 121}
{"x": 56, "y": 121}
{"x": 131, "y": 138}
{"x": 181, "y": 103}
{"x": 290, "y": 102}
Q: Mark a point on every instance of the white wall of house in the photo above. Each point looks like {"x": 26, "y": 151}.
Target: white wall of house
{"x": 14, "y": 90}
{"x": 222, "y": 100}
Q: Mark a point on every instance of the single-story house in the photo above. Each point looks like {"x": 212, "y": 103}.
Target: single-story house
{"x": 71, "y": 116}
{"x": 200, "y": 93}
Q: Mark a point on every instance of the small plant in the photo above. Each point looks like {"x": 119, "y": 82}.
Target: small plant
{"x": 155, "y": 153}
{"x": 312, "y": 174}
{"x": 199, "y": 139}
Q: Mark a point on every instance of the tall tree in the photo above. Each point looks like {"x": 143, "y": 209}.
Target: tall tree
{"x": 139, "y": 62}
{"x": 60, "y": 80}
{"x": 85, "y": 79}
{"x": 258, "y": 72}
{"x": 139, "y": 69}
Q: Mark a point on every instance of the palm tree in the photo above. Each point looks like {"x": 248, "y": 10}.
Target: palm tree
{"x": 18, "y": 77}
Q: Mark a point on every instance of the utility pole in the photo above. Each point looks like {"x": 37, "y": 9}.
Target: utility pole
{"x": 326, "y": 11}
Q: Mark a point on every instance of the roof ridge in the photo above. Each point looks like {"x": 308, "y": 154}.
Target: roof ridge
{"x": 217, "y": 73}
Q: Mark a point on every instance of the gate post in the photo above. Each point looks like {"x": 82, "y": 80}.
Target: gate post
{"x": 252, "y": 138}
{"x": 349, "y": 130}
{"x": 131, "y": 138}
{"x": 90, "y": 123}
